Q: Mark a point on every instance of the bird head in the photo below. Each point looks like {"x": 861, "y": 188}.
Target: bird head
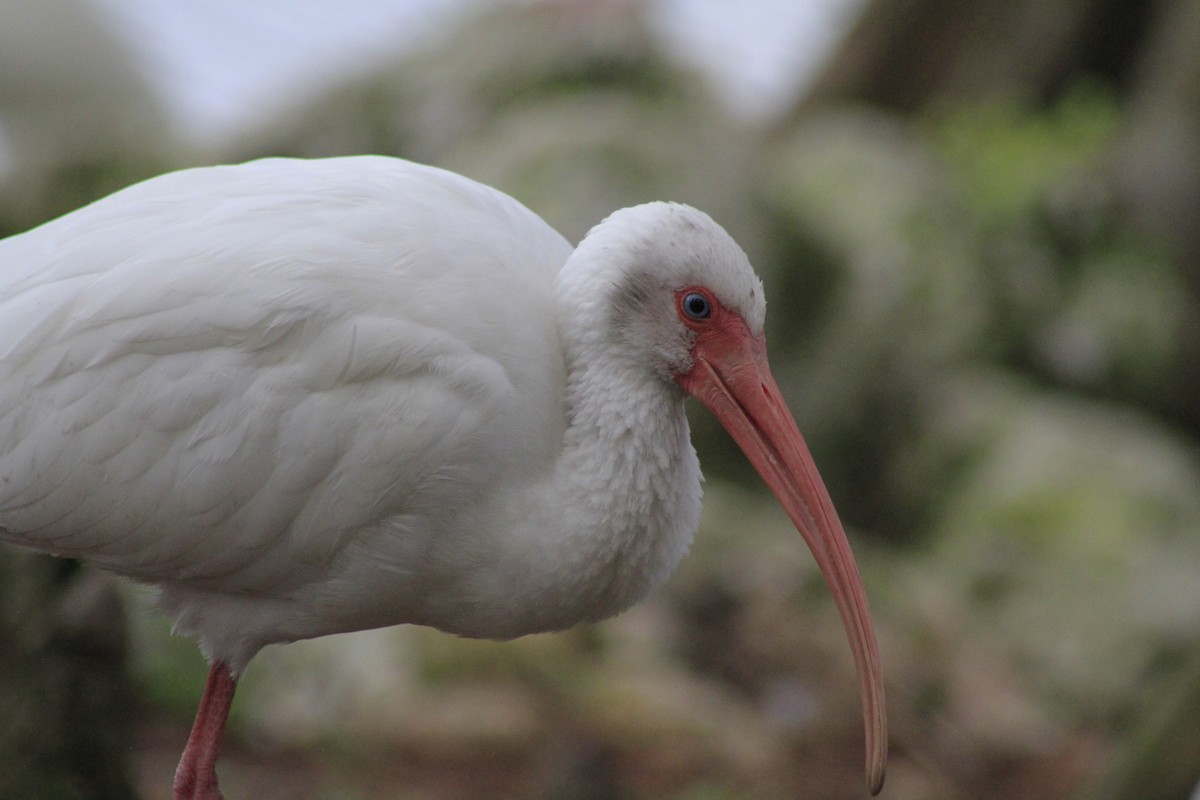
{"x": 684, "y": 303}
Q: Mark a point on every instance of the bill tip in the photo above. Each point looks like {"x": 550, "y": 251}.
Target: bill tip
{"x": 875, "y": 776}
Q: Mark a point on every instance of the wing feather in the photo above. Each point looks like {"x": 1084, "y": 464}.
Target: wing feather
{"x": 218, "y": 376}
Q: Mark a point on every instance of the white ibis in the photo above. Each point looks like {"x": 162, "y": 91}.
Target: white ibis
{"x": 310, "y": 397}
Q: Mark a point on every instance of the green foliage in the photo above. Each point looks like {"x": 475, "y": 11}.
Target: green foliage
{"x": 711, "y": 792}
{"x": 1006, "y": 159}
{"x": 170, "y": 670}
{"x": 1077, "y": 296}
{"x": 64, "y": 700}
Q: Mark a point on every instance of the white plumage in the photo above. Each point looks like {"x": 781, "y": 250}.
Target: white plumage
{"x": 308, "y": 397}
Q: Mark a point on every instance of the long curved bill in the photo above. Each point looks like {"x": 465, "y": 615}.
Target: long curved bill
{"x": 731, "y": 377}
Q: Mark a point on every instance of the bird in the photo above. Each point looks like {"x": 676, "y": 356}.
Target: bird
{"x": 303, "y": 397}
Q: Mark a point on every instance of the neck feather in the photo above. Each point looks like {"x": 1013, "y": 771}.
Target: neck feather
{"x": 628, "y": 479}
{"x": 629, "y": 482}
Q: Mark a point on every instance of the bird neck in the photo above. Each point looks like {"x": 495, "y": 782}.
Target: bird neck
{"x": 627, "y": 479}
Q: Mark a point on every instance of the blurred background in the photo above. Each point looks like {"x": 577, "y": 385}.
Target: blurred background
{"x": 979, "y": 226}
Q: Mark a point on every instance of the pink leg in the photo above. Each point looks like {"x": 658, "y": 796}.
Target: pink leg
{"x": 196, "y": 777}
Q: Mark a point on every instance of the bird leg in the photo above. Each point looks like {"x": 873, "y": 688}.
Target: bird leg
{"x": 196, "y": 776}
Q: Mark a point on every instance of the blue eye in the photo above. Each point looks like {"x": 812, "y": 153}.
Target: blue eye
{"x": 696, "y": 306}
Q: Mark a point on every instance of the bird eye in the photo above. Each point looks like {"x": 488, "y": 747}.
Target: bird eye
{"x": 696, "y": 306}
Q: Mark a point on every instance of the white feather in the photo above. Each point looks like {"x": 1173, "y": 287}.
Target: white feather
{"x": 306, "y": 397}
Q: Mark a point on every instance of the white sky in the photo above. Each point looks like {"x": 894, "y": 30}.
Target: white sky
{"x": 222, "y": 64}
